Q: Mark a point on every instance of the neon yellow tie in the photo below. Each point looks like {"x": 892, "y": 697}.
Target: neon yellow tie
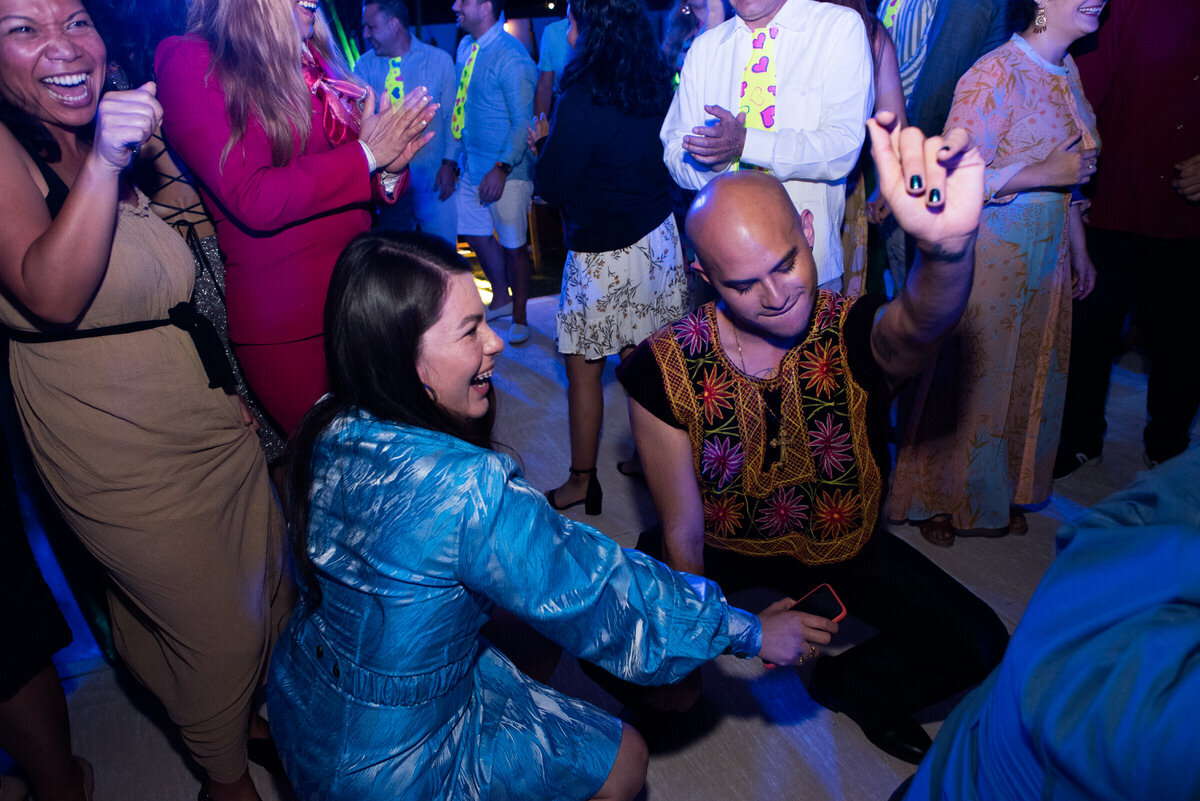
{"x": 394, "y": 85}
{"x": 890, "y": 9}
{"x": 758, "y": 86}
{"x": 459, "y": 118}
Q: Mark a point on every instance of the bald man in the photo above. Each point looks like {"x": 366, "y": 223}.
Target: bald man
{"x": 762, "y": 421}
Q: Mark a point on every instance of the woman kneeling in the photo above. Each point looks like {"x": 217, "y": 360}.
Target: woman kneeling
{"x": 410, "y": 530}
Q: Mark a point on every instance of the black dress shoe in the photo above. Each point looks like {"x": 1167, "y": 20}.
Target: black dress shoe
{"x": 904, "y": 739}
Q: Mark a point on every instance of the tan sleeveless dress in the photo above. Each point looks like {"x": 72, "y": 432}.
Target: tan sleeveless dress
{"x": 164, "y": 485}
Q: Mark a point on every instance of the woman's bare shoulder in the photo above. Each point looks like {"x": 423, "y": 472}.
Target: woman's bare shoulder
{"x": 17, "y": 169}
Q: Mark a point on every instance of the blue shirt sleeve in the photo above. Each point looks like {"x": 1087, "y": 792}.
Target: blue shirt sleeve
{"x": 363, "y": 69}
{"x": 1097, "y": 694}
{"x": 518, "y": 78}
{"x": 440, "y": 64}
{"x": 619, "y": 608}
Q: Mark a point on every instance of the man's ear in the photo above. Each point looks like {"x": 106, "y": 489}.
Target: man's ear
{"x": 698, "y": 268}
{"x": 807, "y": 226}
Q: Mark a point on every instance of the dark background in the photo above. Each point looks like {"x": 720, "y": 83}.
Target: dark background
{"x": 133, "y": 28}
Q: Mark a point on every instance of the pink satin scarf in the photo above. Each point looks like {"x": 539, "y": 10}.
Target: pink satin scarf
{"x": 341, "y": 116}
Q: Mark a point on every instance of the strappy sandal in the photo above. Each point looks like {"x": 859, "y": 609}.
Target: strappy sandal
{"x": 592, "y": 500}
{"x": 937, "y": 530}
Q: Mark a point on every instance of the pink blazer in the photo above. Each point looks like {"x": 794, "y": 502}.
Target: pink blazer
{"x": 281, "y": 228}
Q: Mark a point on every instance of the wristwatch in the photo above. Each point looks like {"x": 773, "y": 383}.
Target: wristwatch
{"x": 504, "y": 167}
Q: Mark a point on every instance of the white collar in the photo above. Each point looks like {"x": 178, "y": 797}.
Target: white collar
{"x": 791, "y": 16}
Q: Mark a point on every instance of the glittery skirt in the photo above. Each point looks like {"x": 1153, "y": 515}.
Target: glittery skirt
{"x": 208, "y": 296}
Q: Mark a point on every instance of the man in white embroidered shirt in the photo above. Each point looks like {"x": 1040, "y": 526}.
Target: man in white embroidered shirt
{"x": 785, "y": 87}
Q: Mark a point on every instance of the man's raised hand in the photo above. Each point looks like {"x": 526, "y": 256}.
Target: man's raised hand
{"x": 934, "y": 186}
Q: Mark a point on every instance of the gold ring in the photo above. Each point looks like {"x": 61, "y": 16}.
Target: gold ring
{"x": 812, "y": 651}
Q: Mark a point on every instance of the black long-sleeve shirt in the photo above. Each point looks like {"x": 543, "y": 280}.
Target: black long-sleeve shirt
{"x": 605, "y": 168}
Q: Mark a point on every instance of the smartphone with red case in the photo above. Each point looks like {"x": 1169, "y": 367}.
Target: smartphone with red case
{"x": 822, "y": 601}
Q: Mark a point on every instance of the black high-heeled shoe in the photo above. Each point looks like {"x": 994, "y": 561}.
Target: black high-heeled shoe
{"x": 592, "y": 501}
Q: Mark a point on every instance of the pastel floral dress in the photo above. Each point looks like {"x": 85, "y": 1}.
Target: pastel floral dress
{"x": 985, "y": 422}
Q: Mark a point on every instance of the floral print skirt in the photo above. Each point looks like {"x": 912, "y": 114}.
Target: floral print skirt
{"x": 617, "y": 298}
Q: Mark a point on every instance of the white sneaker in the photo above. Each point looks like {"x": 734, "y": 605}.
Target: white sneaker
{"x": 518, "y": 334}
{"x": 499, "y": 311}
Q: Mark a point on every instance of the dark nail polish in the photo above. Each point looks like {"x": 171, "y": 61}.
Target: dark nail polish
{"x": 916, "y": 183}
{"x": 935, "y": 197}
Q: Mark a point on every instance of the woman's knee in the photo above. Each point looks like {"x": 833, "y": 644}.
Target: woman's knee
{"x": 628, "y": 774}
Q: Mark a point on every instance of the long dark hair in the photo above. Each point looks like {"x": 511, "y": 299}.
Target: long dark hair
{"x": 386, "y": 291}
{"x": 1021, "y": 14}
{"x": 618, "y": 58}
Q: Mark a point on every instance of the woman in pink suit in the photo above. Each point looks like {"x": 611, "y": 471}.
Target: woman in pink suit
{"x": 290, "y": 159}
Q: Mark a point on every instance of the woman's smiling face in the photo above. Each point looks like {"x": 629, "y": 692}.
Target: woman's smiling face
{"x": 305, "y": 12}
{"x": 458, "y": 352}
{"x": 1072, "y": 19}
{"x": 52, "y": 60}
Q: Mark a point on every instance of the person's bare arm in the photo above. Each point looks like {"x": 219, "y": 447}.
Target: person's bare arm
{"x": 889, "y": 91}
{"x": 889, "y": 96}
{"x": 1066, "y": 166}
{"x": 942, "y": 215}
{"x": 666, "y": 454}
{"x": 53, "y": 267}
{"x": 543, "y": 94}
{"x": 1083, "y": 272}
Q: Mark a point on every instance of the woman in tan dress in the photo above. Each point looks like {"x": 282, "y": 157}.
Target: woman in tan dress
{"x": 157, "y": 471}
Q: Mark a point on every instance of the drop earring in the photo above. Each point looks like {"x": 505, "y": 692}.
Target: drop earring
{"x": 1039, "y": 22}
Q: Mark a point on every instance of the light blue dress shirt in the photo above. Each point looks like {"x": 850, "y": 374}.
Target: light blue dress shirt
{"x": 428, "y": 66}
{"x": 499, "y": 106}
{"x": 431, "y": 67}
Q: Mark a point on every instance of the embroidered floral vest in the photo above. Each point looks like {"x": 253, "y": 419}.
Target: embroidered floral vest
{"x": 819, "y": 502}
